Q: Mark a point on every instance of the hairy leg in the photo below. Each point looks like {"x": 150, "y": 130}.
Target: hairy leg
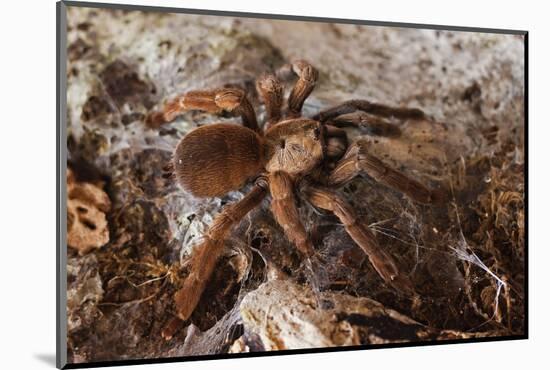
{"x": 285, "y": 211}
{"x": 206, "y": 254}
{"x": 368, "y": 123}
{"x": 357, "y": 160}
{"x": 307, "y": 77}
{"x": 212, "y": 101}
{"x": 368, "y": 107}
{"x": 381, "y": 260}
{"x": 336, "y": 142}
{"x": 271, "y": 90}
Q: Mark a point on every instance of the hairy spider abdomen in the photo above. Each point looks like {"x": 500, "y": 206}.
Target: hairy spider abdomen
{"x": 215, "y": 159}
{"x": 294, "y": 146}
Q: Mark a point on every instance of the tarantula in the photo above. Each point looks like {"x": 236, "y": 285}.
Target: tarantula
{"x": 292, "y": 156}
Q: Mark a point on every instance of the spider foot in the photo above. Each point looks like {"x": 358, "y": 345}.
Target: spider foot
{"x": 171, "y": 328}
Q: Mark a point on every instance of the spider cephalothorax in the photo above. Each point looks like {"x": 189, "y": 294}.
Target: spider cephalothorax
{"x": 291, "y": 151}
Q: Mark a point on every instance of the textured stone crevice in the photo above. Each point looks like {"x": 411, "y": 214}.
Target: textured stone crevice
{"x": 289, "y": 316}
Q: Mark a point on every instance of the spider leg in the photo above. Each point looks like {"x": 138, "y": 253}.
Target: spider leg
{"x": 285, "y": 211}
{"x": 206, "y": 254}
{"x": 336, "y": 141}
{"x": 271, "y": 90}
{"x": 370, "y": 108}
{"x": 357, "y": 160}
{"x": 213, "y": 101}
{"x": 307, "y": 77}
{"x": 381, "y": 260}
{"x": 368, "y": 123}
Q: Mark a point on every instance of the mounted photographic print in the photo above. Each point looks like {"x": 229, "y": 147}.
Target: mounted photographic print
{"x": 237, "y": 184}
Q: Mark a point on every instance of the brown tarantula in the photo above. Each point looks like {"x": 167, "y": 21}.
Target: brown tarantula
{"x": 291, "y": 156}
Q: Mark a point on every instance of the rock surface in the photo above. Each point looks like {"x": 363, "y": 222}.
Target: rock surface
{"x": 87, "y": 205}
{"x": 289, "y": 316}
{"x": 465, "y": 258}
